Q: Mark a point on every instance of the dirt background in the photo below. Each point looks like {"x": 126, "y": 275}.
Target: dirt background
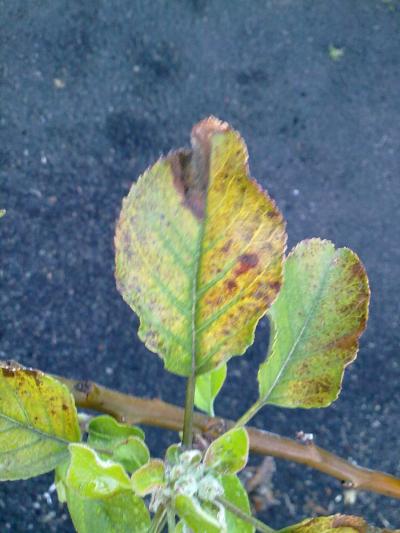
{"x": 92, "y": 92}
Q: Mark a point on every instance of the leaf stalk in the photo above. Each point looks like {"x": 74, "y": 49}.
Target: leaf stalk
{"x": 260, "y": 526}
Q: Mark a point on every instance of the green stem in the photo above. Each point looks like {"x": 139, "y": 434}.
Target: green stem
{"x": 158, "y": 521}
{"x": 248, "y": 415}
{"x": 171, "y": 520}
{"x": 260, "y": 526}
{"x": 187, "y": 439}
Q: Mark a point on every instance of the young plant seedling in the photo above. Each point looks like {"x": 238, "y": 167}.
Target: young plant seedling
{"x": 200, "y": 257}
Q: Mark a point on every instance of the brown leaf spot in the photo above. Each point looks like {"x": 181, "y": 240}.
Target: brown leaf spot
{"x": 226, "y": 246}
{"x": 231, "y": 285}
{"x": 246, "y": 262}
{"x": 349, "y": 521}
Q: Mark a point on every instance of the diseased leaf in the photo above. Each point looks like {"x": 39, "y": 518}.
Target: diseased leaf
{"x": 207, "y": 388}
{"x": 91, "y": 477}
{"x": 38, "y": 421}
{"x": 333, "y": 524}
{"x": 199, "y": 250}
{"x": 236, "y": 494}
{"x": 148, "y": 478}
{"x": 195, "y": 517}
{"x": 317, "y": 320}
{"x": 229, "y": 453}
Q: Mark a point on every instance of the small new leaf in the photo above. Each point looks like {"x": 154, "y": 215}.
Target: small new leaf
{"x": 236, "y": 494}
{"x": 317, "y": 320}
{"x": 148, "y": 478}
{"x": 91, "y": 477}
{"x": 199, "y": 250}
{"x": 38, "y": 421}
{"x": 120, "y": 442}
{"x": 207, "y": 388}
{"x": 195, "y": 517}
{"x": 229, "y": 453}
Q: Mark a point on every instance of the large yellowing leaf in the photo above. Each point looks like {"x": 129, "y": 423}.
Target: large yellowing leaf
{"x": 316, "y": 322}
{"x": 199, "y": 251}
{"x": 334, "y": 524}
{"x": 38, "y": 421}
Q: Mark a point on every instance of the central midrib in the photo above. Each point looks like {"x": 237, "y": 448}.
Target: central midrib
{"x": 309, "y": 317}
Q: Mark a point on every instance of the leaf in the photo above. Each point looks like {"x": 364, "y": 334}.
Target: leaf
{"x": 91, "y": 477}
{"x": 229, "y": 453}
{"x": 148, "y": 478}
{"x": 333, "y": 524}
{"x": 122, "y": 512}
{"x": 199, "y": 251}
{"x": 195, "y": 517}
{"x": 120, "y": 442}
{"x": 207, "y": 388}
{"x": 38, "y": 420}
{"x": 2, "y": 212}
{"x": 235, "y": 493}
{"x": 317, "y": 320}
{"x": 105, "y": 431}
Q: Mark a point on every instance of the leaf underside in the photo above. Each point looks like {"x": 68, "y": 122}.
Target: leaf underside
{"x": 317, "y": 320}
{"x": 38, "y": 421}
{"x": 199, "y": 250}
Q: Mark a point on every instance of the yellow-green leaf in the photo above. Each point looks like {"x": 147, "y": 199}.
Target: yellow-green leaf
{"x": 317, "y": 320}
{"x": 333, "y": 524}
{"x": 236, "y": 494}
{"x": 199, "y": 250}
{"x": 148, "y": 478}
{"x": 199, "y": 520}
{"x": 38, "y": 421}
{"x": 92, "y": 477}
{"x": 2, "y": 212}
{"x": 207, "y": 388}
{"x": 229, "y": 453}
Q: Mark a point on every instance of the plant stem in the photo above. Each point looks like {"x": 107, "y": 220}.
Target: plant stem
{"x": 155, "y": 412}
{"x": 187, "y": 439}
{"x": 248, "y": 415}
{"x": 171, "y": 520}
{"x": 260, "y": 526}
{"x": 158, "y": 520}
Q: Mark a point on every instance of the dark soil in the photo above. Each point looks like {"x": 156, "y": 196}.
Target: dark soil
{"x": 92, "y": 92}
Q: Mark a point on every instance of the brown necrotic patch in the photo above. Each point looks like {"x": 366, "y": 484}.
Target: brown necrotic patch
{"x": 191, "y": 168}
{"x": 246, "y": 262}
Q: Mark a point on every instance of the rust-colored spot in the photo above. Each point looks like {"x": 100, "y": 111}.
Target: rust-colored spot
{"x": 226, "y": 246}
{"x": 358, "y": 270}
{"x": 64, "y": 407}
{"x": 8, "y": 372}
{"x": 35, "y": 374}
{"x": 246, "y": 262}
{"x": 273, "y": 214}
{"x": 231, "y": 285}
{"x": 275, "y": 286}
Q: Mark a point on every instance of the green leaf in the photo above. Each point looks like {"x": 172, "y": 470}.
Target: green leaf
{"x": 207, "y": 388}
{"x": 91, "y": 477}
{"x": 199, "y": 250}
{"x": 122, "y": 512}
{"x": 235, "y": 493}
{"x": 317, "y": 320}
{"x": 120, "y": 442}
{"x": 148, "y": 478}
{"x": 333, "y": 524}
{"x": 173, "y": 453}
{"x": 195, "y": 517}
{"x": 38, "y": 420}
{"x": 106, "y": 432}
{"x": 229, "y": 453}
{"x": 2, "y": 212}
